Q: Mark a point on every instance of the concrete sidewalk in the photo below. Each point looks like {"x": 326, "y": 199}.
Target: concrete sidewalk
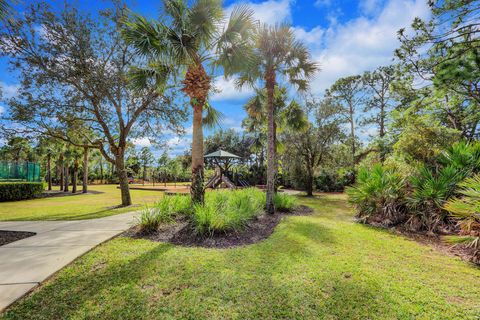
{"x": 24, "y": 264}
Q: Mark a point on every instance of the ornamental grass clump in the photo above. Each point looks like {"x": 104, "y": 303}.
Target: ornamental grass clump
{"x": 284, "y": 202}
{"x": 227, "y": 210}
{"x": 164, "y": 211}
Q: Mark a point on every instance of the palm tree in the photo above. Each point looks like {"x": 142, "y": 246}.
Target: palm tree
{"x": 275, "y": 56}
{"x": 189, "y": 38}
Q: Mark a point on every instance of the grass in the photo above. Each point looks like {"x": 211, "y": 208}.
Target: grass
{"x": 81, "y": 206}
{"x": 322, "y": 266}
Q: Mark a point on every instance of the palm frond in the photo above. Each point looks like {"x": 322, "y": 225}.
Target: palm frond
{"x": 212, "y": 117}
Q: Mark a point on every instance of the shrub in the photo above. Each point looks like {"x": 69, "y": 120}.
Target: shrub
{"x": 12, "y": 191}
{"x": 378, "y": 196}
{"x": 284, "y": 202}
{"x": 466, "y": 210}
{"x": 227, "y": 210}
{"x": 430, "y": 189}
{"x": 164, "y": 211}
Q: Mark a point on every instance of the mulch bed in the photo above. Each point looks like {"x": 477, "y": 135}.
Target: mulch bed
{"x": 182, "y": 232}
{"x": 12, "y": 236}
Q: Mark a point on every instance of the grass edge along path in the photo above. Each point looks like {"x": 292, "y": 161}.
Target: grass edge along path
{"x": 322, "y": 266}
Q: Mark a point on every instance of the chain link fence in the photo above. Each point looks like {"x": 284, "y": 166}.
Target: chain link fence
{"x": 19, "y": 171}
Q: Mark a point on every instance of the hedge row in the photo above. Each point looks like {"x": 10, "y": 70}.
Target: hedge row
{"x": 11, "y": 191}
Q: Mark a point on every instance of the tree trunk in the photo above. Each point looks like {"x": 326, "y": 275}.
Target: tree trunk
{"x": 62, "y": 171}
{"x": 101, "y": 170}
{"x": 123, "y": 178}
{"x": 65, "y": 185}
{"x": 49, "y": 172}
{"x": 352, "y": 134}
{"x": 144, "y": 176}
{"x": 85, "y": 170}
{"x": 309, "y": 183}
{"x": 196, "y": 190}
{"x": 74, "y": 176}
{"x": 271, "y": 166}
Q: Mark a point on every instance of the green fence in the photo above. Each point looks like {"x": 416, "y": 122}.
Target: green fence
{"x": 21, "y": 171}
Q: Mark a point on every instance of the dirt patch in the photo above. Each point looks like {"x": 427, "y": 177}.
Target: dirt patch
{"x": 12, "y": 236}
{"x": 182, "y": 232}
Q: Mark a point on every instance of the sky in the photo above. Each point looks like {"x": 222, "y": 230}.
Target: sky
{"x": 345, "y": 37}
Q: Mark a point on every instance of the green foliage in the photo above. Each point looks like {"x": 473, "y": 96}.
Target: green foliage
{"x": 463, "y": 156}
{"x": 227, "y": 210}
{"x": 164, "y": 211}
{"x": 284, "y": 202}
{"x": 12, "y": 191}
{"x": 379, "y": 195}
{"x": 467, "y": 210}
{"x": 430, "y": 189}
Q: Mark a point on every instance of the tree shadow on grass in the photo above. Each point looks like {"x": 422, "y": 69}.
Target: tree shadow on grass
{"x": 72, "y": 291}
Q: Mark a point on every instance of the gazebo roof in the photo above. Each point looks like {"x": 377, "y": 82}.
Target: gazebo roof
{"x": 221, "y": 154}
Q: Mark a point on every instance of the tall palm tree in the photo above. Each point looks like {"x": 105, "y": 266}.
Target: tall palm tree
{"x": 190, "y": 39}
{"x": 276, "y": 56}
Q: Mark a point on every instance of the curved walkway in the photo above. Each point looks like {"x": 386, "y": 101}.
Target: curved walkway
{"x": 24, "y": 264}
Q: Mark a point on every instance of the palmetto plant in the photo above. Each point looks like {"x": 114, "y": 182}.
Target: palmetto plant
{"x": 430, "y": 189}
{"x": 379, "y": 195}
{"x": 191, "y": 40}
{"x": 275, "y": 56}
{"x": 463, "y": 156}
{"x": 466, "y": 210}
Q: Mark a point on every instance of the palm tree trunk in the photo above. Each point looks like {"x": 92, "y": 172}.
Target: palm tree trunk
{"x": 49, "y": 171}
{"x": 62, "y": 170}
{"x": 196, "y": 86}
{"x": 65, "y": 185}
{"x": 74, "y": 176}
{"x": 85, "y": 170}
{"x": 196, "y": 190}
{"x": 271, "y": 166}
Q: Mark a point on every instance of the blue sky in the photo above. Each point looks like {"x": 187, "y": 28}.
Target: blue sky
{"x": 345, "y": 37}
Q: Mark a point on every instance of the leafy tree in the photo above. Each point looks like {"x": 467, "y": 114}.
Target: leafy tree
{"x": 189, "y": 39}
{"x": 348, "y": 95}
{"x": 74, "y": 71}
{"x": 379, "y": 101}
{"x": 311, "y": 147}
{"x": 274, "y": 54}
{"x": 146, "y": 157}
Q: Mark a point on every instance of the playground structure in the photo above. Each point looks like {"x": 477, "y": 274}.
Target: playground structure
{"x": 224, "y": 178}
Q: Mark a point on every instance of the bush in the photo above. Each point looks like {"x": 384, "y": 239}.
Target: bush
{"x": 12, "y": 191}
{"x": 378, "y": 196}
{"x": 284, "y": 202}
{"x": 164, "y": 211}
{"x": 327, "y": 181}
{"x": 466, "y": 210}
{"x": 431, "y": 188}
{"x": 227, "y": 210}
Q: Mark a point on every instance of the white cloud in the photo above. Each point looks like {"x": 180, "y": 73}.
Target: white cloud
{"x": 361, "y": 44}
{"x": 271, "y": 11}
{"x": 142, "y": 142}
{"x": 323, "y": 3}
{"x": 227, "y": 90}
{"x": 370, "y": 6}
{"x": 2, "y": 110}
{"x": 313, "y": 36}
{"x": 8, "y": 90}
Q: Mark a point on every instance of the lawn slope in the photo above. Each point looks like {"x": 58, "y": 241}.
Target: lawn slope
{"x": 322, "y": 266}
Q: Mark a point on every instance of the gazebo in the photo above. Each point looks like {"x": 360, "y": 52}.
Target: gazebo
{"x": 223, "y": 160}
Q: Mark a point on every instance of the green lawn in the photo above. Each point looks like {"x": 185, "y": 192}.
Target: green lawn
{"x": 83, "y": 206}
{"x": 316, "y": 267}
